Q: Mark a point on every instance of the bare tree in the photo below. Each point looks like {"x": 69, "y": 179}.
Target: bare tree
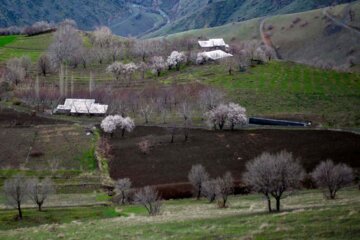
{"x": 273, "y": 174}
{"x": 172, "y": 129}
{"x": 44, "y": 65}
{"x": 185, "y": 111}
{"x": 230, "y": 63}
{"x": 102, "y": 37}
{"x": 142, "y": 48}
{"x": 17, "y": 69}
{"x": 158, "y": 64}
{"x": 209, "y": 190}
{"x": 142, "y": 67}
{"x": 150, "y": 199}
{"x": 116, "y": 49}
{"x": 162, "y": 108}
{"x": 39, "y": 191}
{"x": 84, "y": 56}
{"x": 223, "y": 188}
{"x": 117, "y": 69}
{"x": 146, "y": 110}
{"x": 210, "y": 98}
{"x": 54, "y": 164}
{"x": 332, "y": 177}
{"x": 66, "y": 46}
{"x": 122, "y": 187}
{"x": 16, "y": 191}
{"x": 100, "y": 54}
{"x": 197, "y": 176}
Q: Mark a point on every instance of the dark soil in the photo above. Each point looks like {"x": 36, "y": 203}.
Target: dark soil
{"x": 12, "y": 118}
{"x": 169, "y": 163}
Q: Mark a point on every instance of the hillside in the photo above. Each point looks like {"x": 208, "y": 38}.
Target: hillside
{"x": 140, "y": 17}
{"x": 310, "y": 37}
{"x": 217, "y": 13}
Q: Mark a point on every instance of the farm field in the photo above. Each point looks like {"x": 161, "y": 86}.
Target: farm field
{"x": 221, "y": 151}
{"x": 305, "y": 215}
{"x": 34, "y": 143}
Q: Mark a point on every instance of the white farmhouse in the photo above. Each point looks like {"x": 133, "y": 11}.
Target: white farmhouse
{"x": 81, "y": 106}
{"x": 216, "y": 55}
{"x": 214, "y": 43}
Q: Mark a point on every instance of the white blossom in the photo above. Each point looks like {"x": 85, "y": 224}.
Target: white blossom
{"x": 175, "y": 59}
{"x": 236, "y": 115}
{"x": 108, "y": 124}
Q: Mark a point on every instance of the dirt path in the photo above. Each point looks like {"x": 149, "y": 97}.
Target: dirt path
{"x": 339, "y": 22}
{"x": 267, "y": 39}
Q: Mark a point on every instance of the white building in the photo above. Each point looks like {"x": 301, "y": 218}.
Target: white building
{"x": 81, "y": 106}
{"x": 216, "y": 54}
{"x": 213, "y": 43}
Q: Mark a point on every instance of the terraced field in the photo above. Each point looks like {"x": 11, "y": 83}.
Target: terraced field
{"x": 36, "y": 146}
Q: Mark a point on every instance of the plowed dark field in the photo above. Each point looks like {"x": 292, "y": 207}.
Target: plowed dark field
{"x": 169, "y": 163}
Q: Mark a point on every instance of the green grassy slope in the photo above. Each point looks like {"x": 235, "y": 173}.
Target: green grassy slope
{"x": 280, "y": 88}
{"x": 306, "y": 215}
{"x": 7, "y": 39}
{"x": 19, "y": 46}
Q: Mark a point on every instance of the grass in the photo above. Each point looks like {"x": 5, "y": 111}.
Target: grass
{"x": 17, "y": 46}
{"x": 282, "y": 88}
{"x": 305, "y": 215}
{"x": 4, "y": 40}
{"x": 32, "y": 217}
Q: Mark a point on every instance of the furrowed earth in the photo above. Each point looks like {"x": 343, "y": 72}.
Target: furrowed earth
{"x": 167, "y": 164}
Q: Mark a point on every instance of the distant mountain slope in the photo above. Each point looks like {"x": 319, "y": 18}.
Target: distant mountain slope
{"x": 308, "y": 37}
{"x": 149, "y": 17}
{"x": 219, "y": 12}
{"x": 87, "y": 13}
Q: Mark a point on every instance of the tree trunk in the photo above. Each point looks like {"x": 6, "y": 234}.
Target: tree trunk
{"x": 278, "y": 204}
{"x": 122, "y": 198}
{"x": 158, "y": 73}
{"x": 19, "y": 210}
{"x": 221, "y": 126}
{"x": 268, "y": 202}
{"x": 172, "y": 139}
{"x": 39, "y": 207}
{"x": 123, "y": 132}
{"x": 198, "y": 193}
